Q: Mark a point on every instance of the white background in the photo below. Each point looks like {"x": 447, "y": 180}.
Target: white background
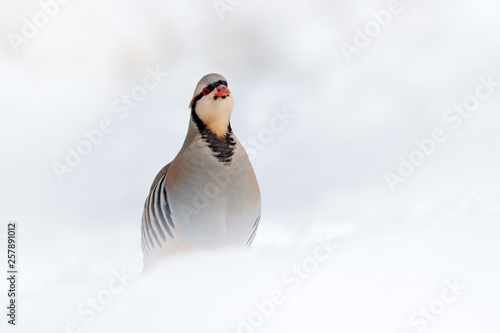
{"x": 322, "y": 177}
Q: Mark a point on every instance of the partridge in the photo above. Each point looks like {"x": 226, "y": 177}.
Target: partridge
{"x": 208, "y": 196}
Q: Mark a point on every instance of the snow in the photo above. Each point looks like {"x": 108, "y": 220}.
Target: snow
{"x": 337, "y": 250}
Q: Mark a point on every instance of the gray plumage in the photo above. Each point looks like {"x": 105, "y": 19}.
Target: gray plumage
{"x": 208, "y": 196}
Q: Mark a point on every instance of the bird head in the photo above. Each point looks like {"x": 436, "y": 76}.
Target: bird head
{"x": 212, "y": 104}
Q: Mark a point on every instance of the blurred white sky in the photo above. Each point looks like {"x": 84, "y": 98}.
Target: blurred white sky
{"x": 352, "y": 119}
{"x": 324, "y": 173}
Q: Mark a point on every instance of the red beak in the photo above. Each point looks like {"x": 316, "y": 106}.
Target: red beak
{"x": 223, "y": 91}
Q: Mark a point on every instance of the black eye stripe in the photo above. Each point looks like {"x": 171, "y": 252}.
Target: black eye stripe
{"x": 216, "y": 84}
{"x": 210, "y": 87}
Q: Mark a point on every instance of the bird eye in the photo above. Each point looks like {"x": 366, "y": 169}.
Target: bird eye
{"x": 206, "y": 91}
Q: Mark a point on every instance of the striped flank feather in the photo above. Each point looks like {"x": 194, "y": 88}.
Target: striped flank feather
{"x": 157, "y": 216}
